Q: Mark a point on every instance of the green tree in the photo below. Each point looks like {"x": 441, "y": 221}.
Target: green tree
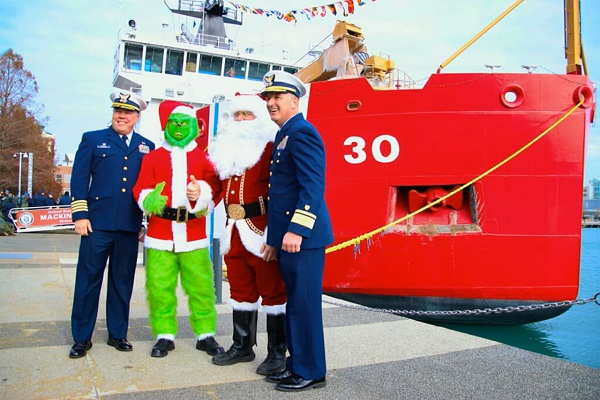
{"x": 21, "y": 128}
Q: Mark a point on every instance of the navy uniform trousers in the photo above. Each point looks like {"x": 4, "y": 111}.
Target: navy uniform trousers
{"x": 302, "y": 273}
{"x": 121, "y": 249}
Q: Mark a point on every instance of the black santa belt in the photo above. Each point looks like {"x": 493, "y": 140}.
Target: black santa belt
{"x": 179, "y": 214}
{"x": 250, "y": 210}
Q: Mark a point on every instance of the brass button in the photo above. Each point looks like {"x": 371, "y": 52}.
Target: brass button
{"x": 103, "y": 155}
{"x": 123, "y": 190}
{"x": 97, "y": 198}
{"x": 271, "y": 173}
{"x": 125, "y": 158}
{"x": 124, "y": 179}
{"x": 287, "y": 213}
{"x": 125, "y": 168}
{"x": 271, "y": 161}
{"x": 277, "y": 161}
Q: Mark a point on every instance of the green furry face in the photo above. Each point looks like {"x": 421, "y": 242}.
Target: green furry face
{"x": 181, "y": 129}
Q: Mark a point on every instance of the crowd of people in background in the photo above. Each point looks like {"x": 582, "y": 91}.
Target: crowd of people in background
{"x": 8, "y": 201}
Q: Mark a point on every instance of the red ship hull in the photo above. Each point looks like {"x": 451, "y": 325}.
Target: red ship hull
{"x": 511, "y": 238}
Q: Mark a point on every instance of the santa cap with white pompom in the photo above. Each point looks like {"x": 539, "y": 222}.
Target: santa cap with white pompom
{"x": 168, "y": 107}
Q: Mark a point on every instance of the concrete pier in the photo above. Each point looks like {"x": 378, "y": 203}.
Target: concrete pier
{"x": 369, "y": 355}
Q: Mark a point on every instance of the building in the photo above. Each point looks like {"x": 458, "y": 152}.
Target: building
{"x": 63, "y": 172}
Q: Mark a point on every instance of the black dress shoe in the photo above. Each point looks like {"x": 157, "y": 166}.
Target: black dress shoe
{"x": 120, "y": 344}
{"x": 162, "y": 347}
{"x": 278, "y": 376}
{"x": 80, "y": 348}
{"x": 296, "y": 383}
{"x": 210, "y": 346}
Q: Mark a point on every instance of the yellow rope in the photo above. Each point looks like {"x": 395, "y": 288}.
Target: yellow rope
{"x": 358, "y": 239}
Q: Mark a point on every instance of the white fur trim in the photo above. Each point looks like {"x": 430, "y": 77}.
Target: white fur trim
{"x": 184, "y": 110}
{"x": 251, "y": 103}
{"x": 168, "y": 245}
{"x": 204, "y": 201}
{"x": 244, "y": 306}
{"x": 143, "y": 194}
{"x": 251, "y": 240}
{"x": 277, "y": 309}
{"x": 167, "y": 336}
{"x": 205, "y": 335}
{"x": 179, "y": 177}
{"x": 225, "y": 243}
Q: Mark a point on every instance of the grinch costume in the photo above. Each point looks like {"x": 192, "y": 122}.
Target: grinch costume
{"x": 241, "y": 153}
{"x": 177, "y": 187}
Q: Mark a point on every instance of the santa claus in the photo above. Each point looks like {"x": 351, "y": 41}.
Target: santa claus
{"x": 240, "y": 153}
{"x": 177, "y": 187}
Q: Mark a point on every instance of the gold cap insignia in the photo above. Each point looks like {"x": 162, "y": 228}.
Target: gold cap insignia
{"x": 123, "y": 98}
{"x": 269, "y": 80}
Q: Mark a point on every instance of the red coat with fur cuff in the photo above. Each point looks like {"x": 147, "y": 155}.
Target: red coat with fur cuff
{"x": 174, "y": 165}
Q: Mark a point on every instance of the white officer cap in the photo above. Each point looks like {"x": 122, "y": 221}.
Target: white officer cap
{"x": 283, "y": 82}
{"x": 127, "y": 100}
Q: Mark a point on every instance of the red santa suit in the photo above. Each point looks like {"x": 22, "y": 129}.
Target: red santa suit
{"x": 241, "y": 154}
{"x": 174, "y": 165}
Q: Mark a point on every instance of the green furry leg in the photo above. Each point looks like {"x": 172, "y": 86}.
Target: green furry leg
{"x": 198, "y": 283}
{"x": 162, "y": 270}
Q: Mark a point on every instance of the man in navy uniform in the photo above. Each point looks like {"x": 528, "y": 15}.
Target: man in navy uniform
{"x": 299, "y": 228}
{"x": 109, "y": 221}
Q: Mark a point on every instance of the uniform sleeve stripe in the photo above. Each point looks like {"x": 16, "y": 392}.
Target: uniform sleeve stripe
{"x": 303, "y": 220}
{"x": 306, "y": 213}
{"x": 79, "y": 205}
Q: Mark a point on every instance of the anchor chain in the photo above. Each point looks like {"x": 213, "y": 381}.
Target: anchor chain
{"x": 476, "y": 311}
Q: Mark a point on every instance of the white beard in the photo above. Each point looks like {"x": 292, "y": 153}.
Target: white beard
{"x": 239, "y": 145}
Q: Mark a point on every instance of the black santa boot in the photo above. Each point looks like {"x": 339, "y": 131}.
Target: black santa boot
{"x": 277, "y": 347}
{"x": 244, "y": 338}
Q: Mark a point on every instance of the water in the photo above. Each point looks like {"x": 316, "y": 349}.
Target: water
{"x": 573, "y": 335}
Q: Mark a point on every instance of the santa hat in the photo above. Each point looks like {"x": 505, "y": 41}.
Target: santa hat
{"x": 247, "y": 102}
{"x": 168, "y": 107}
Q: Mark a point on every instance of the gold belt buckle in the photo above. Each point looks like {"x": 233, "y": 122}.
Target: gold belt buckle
{"x": 181, "y": 211}
{"x": 236, "y": 211}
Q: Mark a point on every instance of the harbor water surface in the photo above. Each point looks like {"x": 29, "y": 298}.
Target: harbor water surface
{"x": 572, "y": 336}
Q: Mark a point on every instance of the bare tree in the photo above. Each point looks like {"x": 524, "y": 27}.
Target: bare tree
{"x": 21, "y": 127}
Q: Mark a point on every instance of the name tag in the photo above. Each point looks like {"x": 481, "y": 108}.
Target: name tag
{"x": 103, "y": 146}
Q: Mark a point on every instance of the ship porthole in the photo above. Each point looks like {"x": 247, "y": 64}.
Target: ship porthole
{"x": 512, "y": 96}
{"x": 353, "y": 105}
{"x": 583, "y": 93}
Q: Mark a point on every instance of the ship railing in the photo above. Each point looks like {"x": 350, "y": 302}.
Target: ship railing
{"x": 395, "y": 79}
{"x": 207, "y": 40}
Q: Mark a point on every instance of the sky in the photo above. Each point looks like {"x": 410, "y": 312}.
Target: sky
{"x": 69, "y": 45}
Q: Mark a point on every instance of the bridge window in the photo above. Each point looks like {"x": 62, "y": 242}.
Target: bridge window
{"x": 154, "y": 59}
{"x": 174, "y": 62}
{"x": 210, "y": 64}
{"x": 191, "y": 62}
{"x": 235, "y": 68}
{"x": 291, "y": 70}
{"x": 256, "y": 71}
{"x": 133, "y": 57}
